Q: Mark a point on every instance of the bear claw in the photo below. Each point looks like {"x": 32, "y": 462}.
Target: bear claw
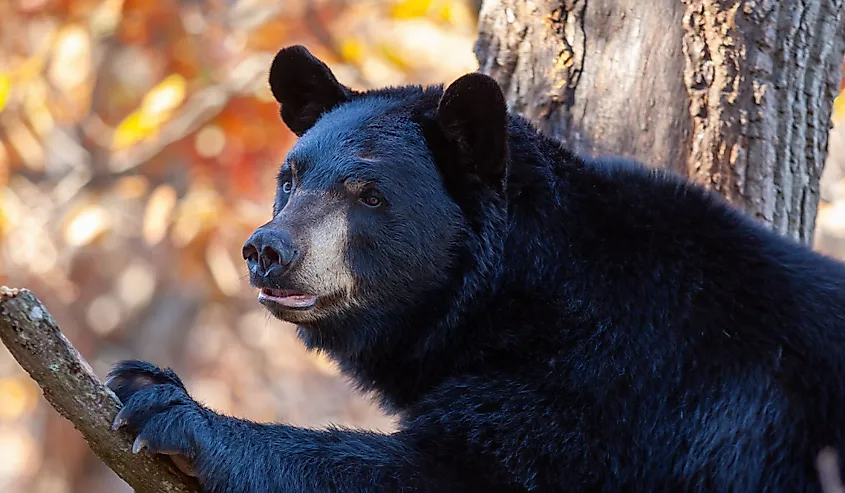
{"x": 139, "y": 444}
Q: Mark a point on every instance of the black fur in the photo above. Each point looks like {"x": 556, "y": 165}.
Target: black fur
{"x": 580, "y": 325}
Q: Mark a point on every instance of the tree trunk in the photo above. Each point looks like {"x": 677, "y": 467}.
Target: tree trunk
{"x": 735, "y": 94}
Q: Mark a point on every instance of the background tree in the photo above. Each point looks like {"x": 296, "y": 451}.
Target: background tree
{"x": 735, "y": 94}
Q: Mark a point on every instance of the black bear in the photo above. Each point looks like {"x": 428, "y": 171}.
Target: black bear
{"x": 536, "y": 320}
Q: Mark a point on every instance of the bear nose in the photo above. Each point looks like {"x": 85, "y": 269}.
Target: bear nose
{"x": 267, "y": 252}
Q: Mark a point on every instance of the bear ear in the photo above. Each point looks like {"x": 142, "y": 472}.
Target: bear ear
{"x": 305, "y": 87}
{"x": 473, "y": 116}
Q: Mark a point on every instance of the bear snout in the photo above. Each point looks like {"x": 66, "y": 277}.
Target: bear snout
{"x": 269, "y": 252}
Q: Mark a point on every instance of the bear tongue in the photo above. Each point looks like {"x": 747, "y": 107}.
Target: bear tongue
{"x": 288, "y": 298}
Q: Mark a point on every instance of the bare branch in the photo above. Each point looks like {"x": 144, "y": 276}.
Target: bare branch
{"x": 72, "y": 388}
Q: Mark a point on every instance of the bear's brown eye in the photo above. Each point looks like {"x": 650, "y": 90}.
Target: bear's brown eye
{"x": 371, "y": 198}
{"x": 287, "y": 186}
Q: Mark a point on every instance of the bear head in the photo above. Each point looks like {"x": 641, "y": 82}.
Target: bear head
{"x": 390, "y": 206}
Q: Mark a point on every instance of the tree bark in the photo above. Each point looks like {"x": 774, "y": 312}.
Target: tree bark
{"x": 734, "y": 94}
{"x": 71, "y": 387}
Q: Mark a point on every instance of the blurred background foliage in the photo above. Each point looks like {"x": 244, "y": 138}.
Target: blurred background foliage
{"x": 138, "y": 147}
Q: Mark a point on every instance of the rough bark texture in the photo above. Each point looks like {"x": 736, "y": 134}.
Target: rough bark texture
{"x": 72, "y": 388}
{"x": 736, "y": 94}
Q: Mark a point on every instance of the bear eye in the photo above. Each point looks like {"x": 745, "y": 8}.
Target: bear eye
{"x": 287, "y": 186}
{"x": 372, "y": 198}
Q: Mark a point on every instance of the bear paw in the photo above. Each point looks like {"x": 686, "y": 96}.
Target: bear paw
{"x": 159, "y": 412}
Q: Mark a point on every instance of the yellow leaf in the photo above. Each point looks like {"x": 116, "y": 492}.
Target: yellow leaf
{"x": 166, "y": 96}
{"x": 5, "y": 86}
{"x": 156, "y": 108}
{"x": 130, "y": 131}
{"x": 454, "y": 12}
{"x": 352, "y": 50}
{"x": 839, "y": 108}
{"x": 410, "y": 9}
{"x": 396, "y": 57}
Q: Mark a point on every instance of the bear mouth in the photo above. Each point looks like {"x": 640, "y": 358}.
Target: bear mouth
{"x": 287, "y": 298}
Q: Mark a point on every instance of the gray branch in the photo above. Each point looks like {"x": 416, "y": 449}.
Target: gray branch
{"x": 72, "y": 388}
